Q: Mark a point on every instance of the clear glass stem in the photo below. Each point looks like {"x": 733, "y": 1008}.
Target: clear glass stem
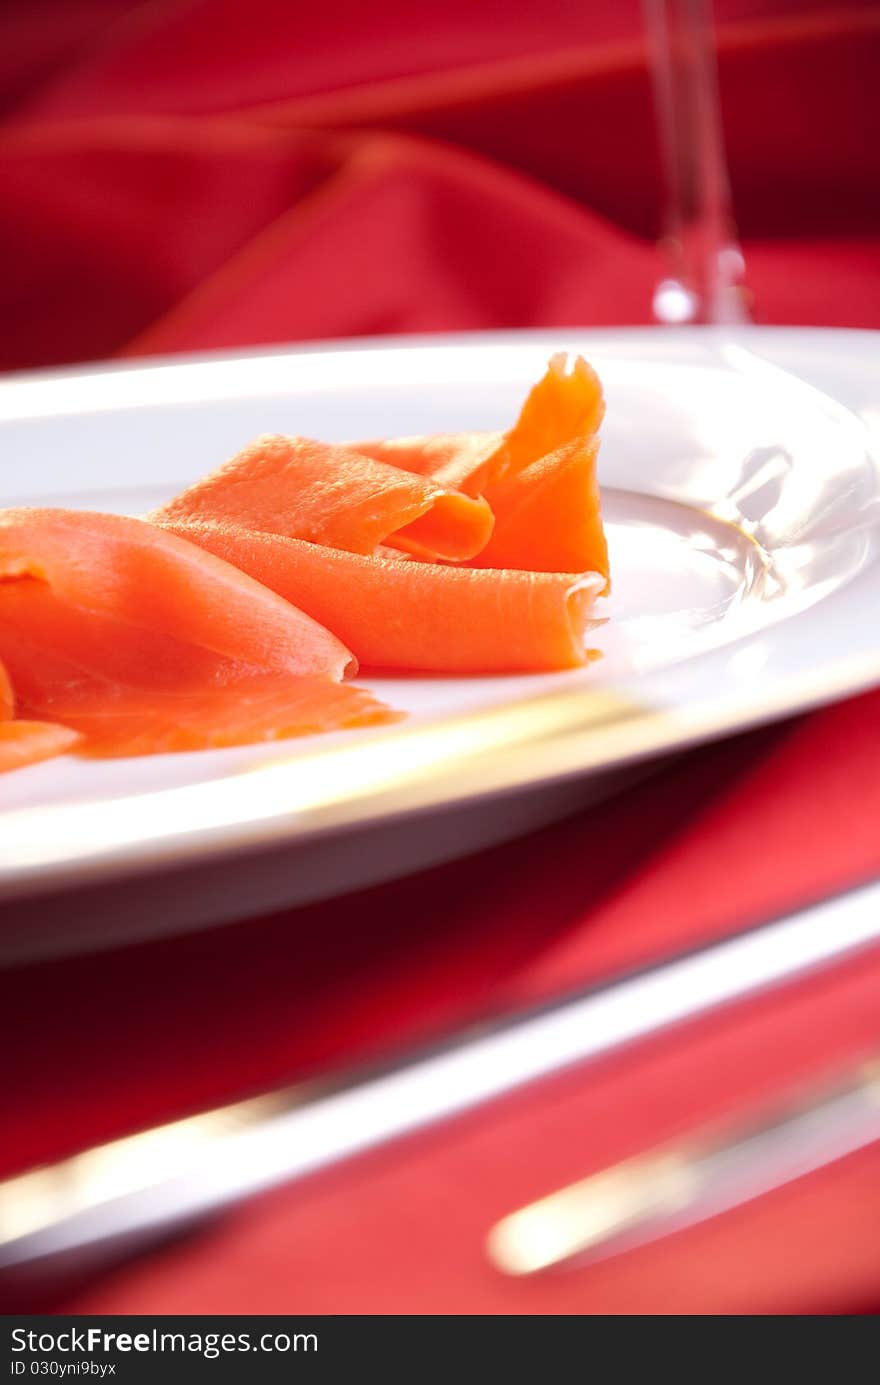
{"x": 704, "y": 283}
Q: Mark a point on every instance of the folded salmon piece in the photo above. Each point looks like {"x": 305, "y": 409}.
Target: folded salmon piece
{"x": 549, "y": 514}
{"x": 566, "y": 403}
{"x": 144, "y": 643}
{"x": 396, "y": 613}
{"x": 332, "y": 496}
{"x": 539, "y": 478}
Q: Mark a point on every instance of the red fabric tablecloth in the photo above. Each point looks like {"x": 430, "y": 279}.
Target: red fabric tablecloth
{"x": 202, "y": 174}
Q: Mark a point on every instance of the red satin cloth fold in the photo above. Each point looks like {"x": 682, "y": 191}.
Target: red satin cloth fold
{"x": 197, "y": 175}
{"x": 194, "y": 175}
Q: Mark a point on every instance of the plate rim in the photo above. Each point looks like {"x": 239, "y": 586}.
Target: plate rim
{"x": 868, "y": 336}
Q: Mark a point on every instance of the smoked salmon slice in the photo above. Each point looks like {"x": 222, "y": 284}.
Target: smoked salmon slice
{"x": 566, "y": 403}
{"x": 393, "y": 612}
{"x": 549, "y": 515}
{"x": 454, "y": 459}
{"x": 143, "y": 642}
{"x": 341, "y": 499}
{"x": 525, "y": 603}
{"x": 7, "y": 698}
{"x": 539, "y": 478}
{"x": 235, "y": 613}
{"x": 26, "y": 742}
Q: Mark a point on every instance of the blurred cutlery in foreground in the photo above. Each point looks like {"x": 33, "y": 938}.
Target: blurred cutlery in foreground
{"x": 642, "y": 1199}
{"x": 104, "y": 1202}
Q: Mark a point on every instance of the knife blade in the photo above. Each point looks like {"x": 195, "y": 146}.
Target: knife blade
{"x": 109, "y": 1199}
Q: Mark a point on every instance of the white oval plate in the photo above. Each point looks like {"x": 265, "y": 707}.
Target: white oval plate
{"x": 742, "y": 498}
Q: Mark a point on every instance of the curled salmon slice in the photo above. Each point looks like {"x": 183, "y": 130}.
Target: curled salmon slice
{"x": 328, "y": 495}
{"x": 395, "y": 613}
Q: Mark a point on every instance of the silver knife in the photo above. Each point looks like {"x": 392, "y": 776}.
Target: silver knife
{"x": 110, "y": 1199}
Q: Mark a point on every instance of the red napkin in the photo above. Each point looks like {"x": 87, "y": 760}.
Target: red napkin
{"x": 205, "y": 174}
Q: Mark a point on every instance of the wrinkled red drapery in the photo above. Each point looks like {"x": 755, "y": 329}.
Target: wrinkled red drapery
{"x": 203, "y": 173}
{"x": 209, "y": 174}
